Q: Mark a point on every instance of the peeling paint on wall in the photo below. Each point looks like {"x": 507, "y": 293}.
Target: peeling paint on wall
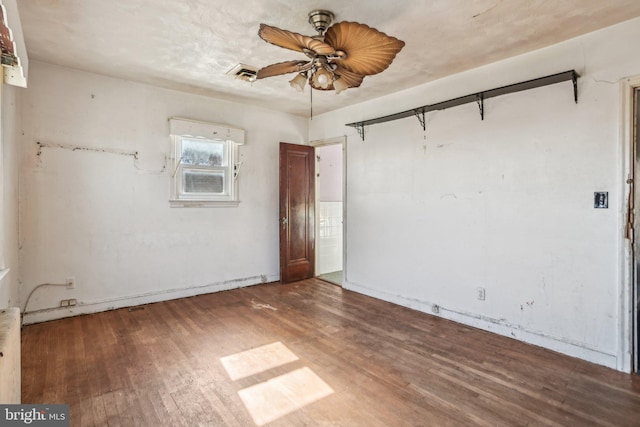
{"x": 528, "y": 304}
{"x": 134, "y": 154}
{"x": 42, "y": 145}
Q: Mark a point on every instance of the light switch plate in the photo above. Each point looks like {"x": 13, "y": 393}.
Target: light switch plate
{"x": 601, "y": 200}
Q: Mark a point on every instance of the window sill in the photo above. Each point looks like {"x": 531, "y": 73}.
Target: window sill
{"x": 203, "y": 204}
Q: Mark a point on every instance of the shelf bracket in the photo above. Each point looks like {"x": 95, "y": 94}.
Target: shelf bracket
{"x": 574, "y": 78}
{"x": 419, "y": 112}
{"x": 360, "y": 128}
{"x": 480, "y": 101}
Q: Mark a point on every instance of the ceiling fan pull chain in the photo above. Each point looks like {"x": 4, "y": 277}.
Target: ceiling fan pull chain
{"x": 311, "y": 104}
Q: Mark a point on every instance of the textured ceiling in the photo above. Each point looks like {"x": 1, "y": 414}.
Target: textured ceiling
{"x": 189, "y": 45}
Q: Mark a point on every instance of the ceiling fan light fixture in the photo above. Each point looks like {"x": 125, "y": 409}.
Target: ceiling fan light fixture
{"x": 299, "y": 81}
{"x": 322, "y": 78}
{"x": 339, "y": 85}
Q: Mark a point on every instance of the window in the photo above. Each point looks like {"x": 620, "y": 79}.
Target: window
{"x": 205, "y": 164}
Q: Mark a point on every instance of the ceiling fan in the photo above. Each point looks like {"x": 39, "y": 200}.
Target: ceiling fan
{"x": 339, "y": 57}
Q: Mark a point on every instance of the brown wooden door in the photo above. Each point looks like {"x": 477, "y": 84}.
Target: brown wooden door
{"x": 297, "y": 212}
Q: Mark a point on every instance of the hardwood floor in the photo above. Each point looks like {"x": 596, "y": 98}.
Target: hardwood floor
{"x": 308, "y": 353}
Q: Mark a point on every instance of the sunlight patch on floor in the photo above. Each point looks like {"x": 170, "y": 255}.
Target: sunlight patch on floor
{"x": 281, "y": 395}
{"x": 260, "y": 359}
{"x": 284, "y": 394}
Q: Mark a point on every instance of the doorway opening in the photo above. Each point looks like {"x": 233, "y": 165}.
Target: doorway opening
{"x": 330, "y": 210}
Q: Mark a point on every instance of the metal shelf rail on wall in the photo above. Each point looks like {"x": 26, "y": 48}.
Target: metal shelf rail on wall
{"x": 477, "y": 97}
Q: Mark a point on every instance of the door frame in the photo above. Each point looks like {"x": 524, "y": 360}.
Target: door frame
{"x": 627, "y": 352}
{"x": 342, "y": 140}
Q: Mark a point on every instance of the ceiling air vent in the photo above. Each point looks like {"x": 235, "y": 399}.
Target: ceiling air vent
{"x": 244, "y": 72}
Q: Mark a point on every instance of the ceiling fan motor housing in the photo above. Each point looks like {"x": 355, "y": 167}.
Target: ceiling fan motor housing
{"x": 321, "y": 19}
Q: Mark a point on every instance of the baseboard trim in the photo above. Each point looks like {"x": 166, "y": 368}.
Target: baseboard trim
{"x": 88, "y": 307}
{"x": 497, "y": 326}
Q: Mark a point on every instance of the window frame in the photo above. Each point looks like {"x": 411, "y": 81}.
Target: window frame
{"x": 192, "y": 130}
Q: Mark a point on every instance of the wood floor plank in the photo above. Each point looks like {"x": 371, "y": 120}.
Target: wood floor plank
{"x": 161, "y": 364}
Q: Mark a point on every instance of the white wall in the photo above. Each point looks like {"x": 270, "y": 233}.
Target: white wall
{"x": 505, "y": 204}
{"x": 103, "y": 217}
{"x": 9, "y": 165}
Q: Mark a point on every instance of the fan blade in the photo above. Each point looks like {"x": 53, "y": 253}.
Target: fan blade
{"x": 352, "y": 79}
{"x": 281, "y": 68}
{"x": 368, "y": 50}
{"x": 293, "y": 41}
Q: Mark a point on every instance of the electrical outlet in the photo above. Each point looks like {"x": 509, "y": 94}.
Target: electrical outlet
{"x": 68, "y": 302}
{"x": 71, "y": 282}
{"x": 480, "y": 294}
